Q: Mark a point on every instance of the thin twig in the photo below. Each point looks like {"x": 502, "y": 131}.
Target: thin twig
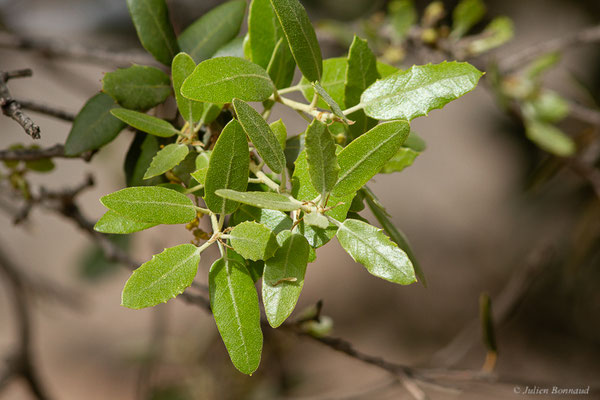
{"x": 11, "y": 108}
{"x": 56, "y": 151}
{"x": 521, "y": 58}
{"x": 55, "y": 48}
{"x": 46, "y": 109}
{"x": 21, "y": 364}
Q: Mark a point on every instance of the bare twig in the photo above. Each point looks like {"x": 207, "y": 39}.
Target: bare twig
{"x": 56, "y": 48}
{"x": 584, "y": 114}
{"x": 21, "y": 363}
{"x": 56, "y": 151}
{"x": 521, "y": 58}
{"x": 11, "y": 108}
{"x": 46, "y": 109}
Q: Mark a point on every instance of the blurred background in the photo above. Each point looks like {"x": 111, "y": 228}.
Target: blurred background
{"x": 482, "y": 206}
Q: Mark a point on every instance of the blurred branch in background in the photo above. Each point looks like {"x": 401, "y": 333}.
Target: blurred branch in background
{"x": 11, "y": 108}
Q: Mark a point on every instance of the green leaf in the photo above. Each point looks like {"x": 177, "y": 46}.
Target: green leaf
{"x": 228, "y": 168}
{"x": 276, "y": 221}
{"x": 303, "y": 190}
{"x": 280, "y": 131}
{"x": 498, "y": 32}
{"x": 395, "y": 234}
{"x": 283, "y": 278}
{"x": 402, "y": 159}
{"x": 162, "y": 278}
{"x": 549, "y": 106}
{"x": 234, "y": 48}
{"x": 182, "y": 67}
{"x": 151, "y": 204}
{"x": 487, "y": 322}
{"x": 543, "y": 63}
{"x": 365, "y": 156}
{"x": 234, "y": 304}
{"x": 333, "y": 105}
{"x": 402, "y": 17}
{"x": 202, "y": 162}
{"x": 300, "y": 36}
{"x": 145, "y": 123}
{"x": 272, "y": 201}
{"x": 264, "y": 32}
{"x": 137, "y": 87}
{"x": 220, "y": 80}
{"x": 253, "y": 241}
{"x": 320, "y": 155}
{"x": 112, "y": 222}
{"x": 151, "y": 20}
{"x": 213, "y": 30}
{"x": 332, "y": 80}
{"x": 261, "y": 135}
{"x": 94, "y": 126}
{"x": 361, "y": 71}
{"x": 282, "y": 66}
{"x": 466, "y": 14}
{"x": 380, "y": 256}
{"x": 548, "y": 137}
{"x": 418, "y": 90}
{"x": 167, "y": 158}
{"x": 138, "y": 159}
{"x": 385, "y": 70}
{"x": 316, "y": 219}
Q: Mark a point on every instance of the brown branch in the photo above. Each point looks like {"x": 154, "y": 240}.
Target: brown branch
{"x": 521, "y": 58}
{"x": 54, "y": 48}
{"x": 584, "y": 114}
{"x": 21, "y": 364}
{"x": 46, "y": 109}
{"x": 11, "y": 108}
{"x": 56, "y": 151}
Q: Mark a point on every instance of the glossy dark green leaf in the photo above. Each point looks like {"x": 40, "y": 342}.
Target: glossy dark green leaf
{"x": 466, "y": 14}
{"x": 261, "y": 135}
{"x": 300, "y": 36}
{"x": 94, "y": 126}
{"x": 320, "y": 155}
{"x": 182, "y": 67}
{"x": 418, "y": 90}
{"x": 375, "y": 251}
{"x": 365, "y": 156}
{"x": 272, "y": 201}
{"x": 151, "y": 204}
{"x": 282, "y": 66}
{"x": 137, "y": 87}
{"x": 213, "y": 30}
{"x": 283, "y": 278}
{"x": 154, "y": 29}
{"x": 234, "y": 303}
{"x": 395, "y": 234}
{"x": 167, "y": 158}
{"x": 253, "y": 241}
{"x": 332, "y": 80}
{"x": 220, "y": 80}
{"x": 264, "y": 32}
{"x": 145, "y": 123}
{"x": 112, "y": 222}
{"x": 162, "y": 278}
{"x": 228, "y": 168}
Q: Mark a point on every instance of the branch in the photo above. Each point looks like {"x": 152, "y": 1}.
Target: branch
{"x": 21, "y": 363}
{"x": 54, "y": 48}
{"x": 46, "y": 109}
{"x": 56, "y": 151}
{"x": 520, "y": 58}
{"x": 11, "y": 108}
